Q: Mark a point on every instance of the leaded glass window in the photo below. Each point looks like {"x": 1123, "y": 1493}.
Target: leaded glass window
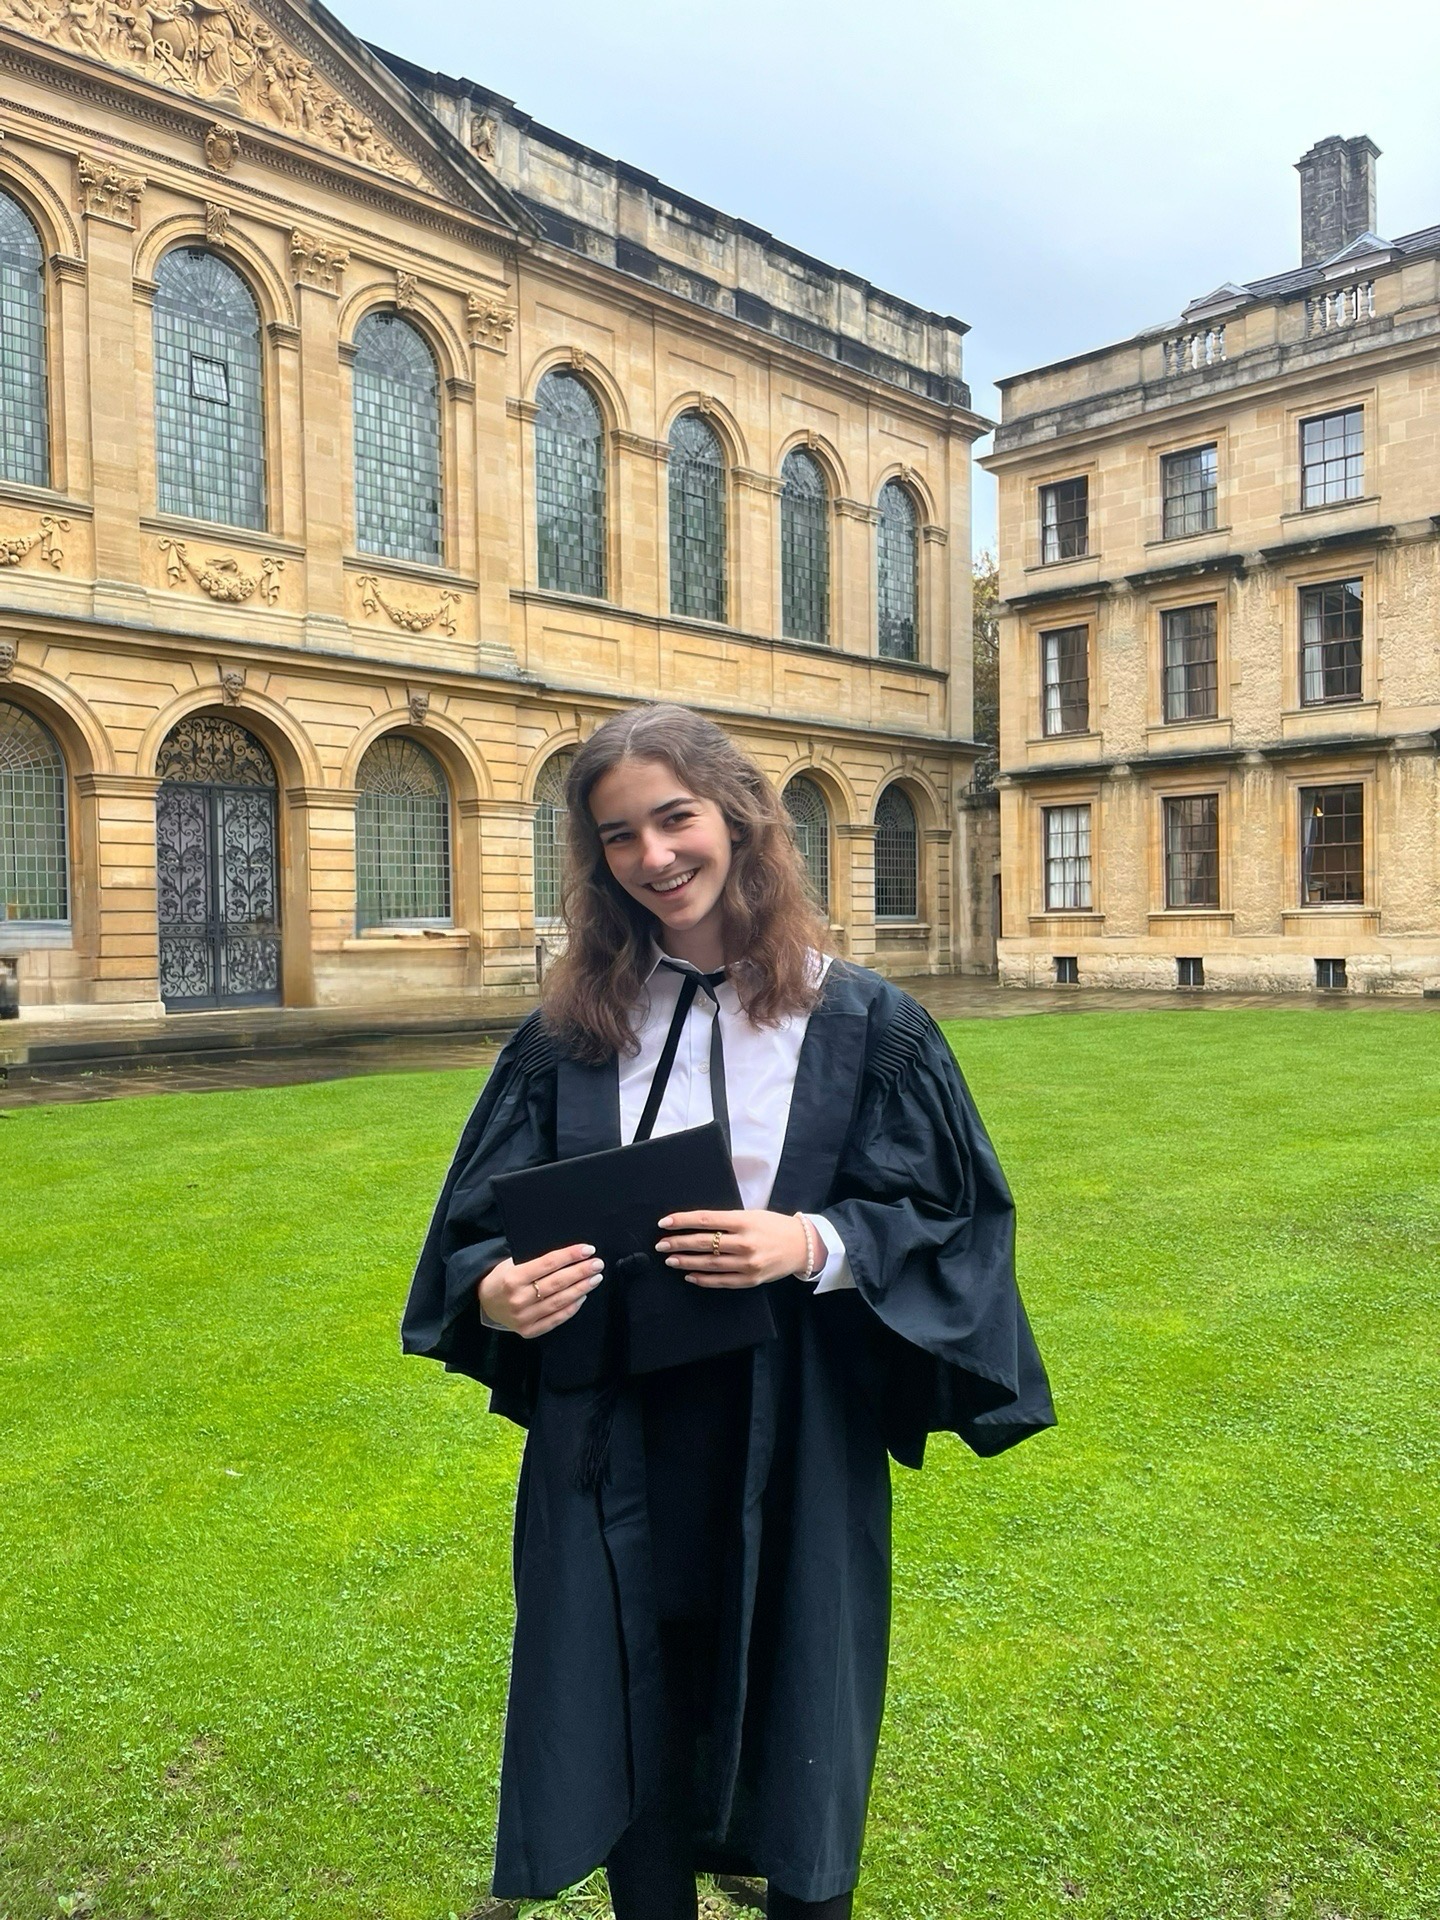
{"x": 570, "y": 486}
{"x": 1332, "y": 457}
{"x": 1332, "y": 846}
{"x": 402, "y": 837}
{"x": 1192, "y": 851}
{"x": 1332, "y": 638}
{"x": 810, "y": 818}
{"x": 24, "y": 431}
{"x": 897, "y": 857}
{"x": 550, "y": 815}
{"x": 697, "y": 520}
{"x": 1067, "y": 859}
{"x": 804, "y": 549}
{"x": 209, "y": 403}
{"x": 1191, "y": 674}
{"x": 397, "y": 441}
{"x": 34, "y": 879}
{"x": 897, "y": 573}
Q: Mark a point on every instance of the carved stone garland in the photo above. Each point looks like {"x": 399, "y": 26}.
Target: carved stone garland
{"x": 42, "y": 543}
{"x": 214, "y": 50}
{"x": 411, "y": 619}
{"x": 220, "y": 575}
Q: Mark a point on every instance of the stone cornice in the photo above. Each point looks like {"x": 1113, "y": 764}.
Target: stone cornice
{"x": 1279, "y": 752}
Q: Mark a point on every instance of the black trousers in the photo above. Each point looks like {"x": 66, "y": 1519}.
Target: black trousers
{"x": 652, "y": 1868}
{"x": 695, "y": 1419}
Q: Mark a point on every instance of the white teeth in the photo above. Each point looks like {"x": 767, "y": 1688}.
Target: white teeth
{"x": 669, "y": 886}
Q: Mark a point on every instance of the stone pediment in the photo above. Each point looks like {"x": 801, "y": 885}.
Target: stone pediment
{"x": 284, "y": 74}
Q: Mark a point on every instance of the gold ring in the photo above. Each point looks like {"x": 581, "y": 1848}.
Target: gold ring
{"x": 536, "y": 1285}
{"x": 715, "y": 1241}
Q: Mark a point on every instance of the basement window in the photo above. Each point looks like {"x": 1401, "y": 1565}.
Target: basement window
{"x": 1067, "y": 970}
{"x": 1330, "y": 976}
{"x": 1190, "y": 972}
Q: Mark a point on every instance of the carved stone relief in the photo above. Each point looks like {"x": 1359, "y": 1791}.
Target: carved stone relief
{"x": 43, "y": 542}
{"x": 316, "y": 264}
{"x": 222, "y": 145}
{"x": 221, "y": 576}
{"x": 232, "y": 685}
{"x": 419, "y": 708}
{"x": 489, "y": 321}
{"x": 9, "y": 653}
{"x": 410, "y": 619}
{"x": 217, "y": 223}
{"x": 105, "y": 193}
{"x": 214, "y": 50}
{"x": 484, "y": 136}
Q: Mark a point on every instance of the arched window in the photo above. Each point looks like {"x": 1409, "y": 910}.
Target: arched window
{"x": 804, "y": 549}
{"x": 697, "y": 520}
{"x": 24, "y": 430}
{"x": 810, "y": 818}
{"x": 402, "y": 837}
{"x": 397, "y": 441}
{"x": 209, "y": 407}
{"x": 550, "y": 837}
{"x": 34, "y": 877}
{"x": 570, "y": 486}
{"x": 897, "y": 847}
{"x": 897, "y": 573}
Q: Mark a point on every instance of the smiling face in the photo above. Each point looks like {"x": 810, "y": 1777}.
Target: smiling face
{"x": 670, "y": 850}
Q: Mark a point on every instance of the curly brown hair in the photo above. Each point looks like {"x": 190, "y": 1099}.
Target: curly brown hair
{"x": 770, "y": 922}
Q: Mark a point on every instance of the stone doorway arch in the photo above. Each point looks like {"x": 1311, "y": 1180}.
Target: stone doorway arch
{"x": 217, "y": 868}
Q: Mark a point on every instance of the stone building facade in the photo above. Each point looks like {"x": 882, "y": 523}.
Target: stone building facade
{"x": 1220, "y": 670}
{"x": 362, "y": 446}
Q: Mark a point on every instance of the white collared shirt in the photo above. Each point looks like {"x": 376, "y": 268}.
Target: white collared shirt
{"x": 760, "y": 1067}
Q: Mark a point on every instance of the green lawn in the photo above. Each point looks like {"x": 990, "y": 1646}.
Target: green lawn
{"x": 1175, "y": 1661}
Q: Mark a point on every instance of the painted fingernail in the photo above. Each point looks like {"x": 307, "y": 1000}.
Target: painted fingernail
{"x": 585, "y": 1250}
{"x": 668, "y": 1221}
{"x": 673, "y": 1261}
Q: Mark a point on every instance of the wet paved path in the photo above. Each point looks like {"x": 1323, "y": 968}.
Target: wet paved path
{"x": 208, "y": 1053}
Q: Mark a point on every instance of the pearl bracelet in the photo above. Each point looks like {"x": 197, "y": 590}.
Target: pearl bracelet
{"x": 813, "y": 1262}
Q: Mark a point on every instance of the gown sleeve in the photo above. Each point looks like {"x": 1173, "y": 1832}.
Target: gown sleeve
{"x": 929, "y": 1229}
{"x": 512, "y": 1126}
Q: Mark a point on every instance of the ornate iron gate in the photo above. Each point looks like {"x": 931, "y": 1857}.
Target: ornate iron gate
{"x": 215, "y": 834}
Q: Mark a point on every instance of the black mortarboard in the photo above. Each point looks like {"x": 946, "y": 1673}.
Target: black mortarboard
{"x": 644, "y": 1315}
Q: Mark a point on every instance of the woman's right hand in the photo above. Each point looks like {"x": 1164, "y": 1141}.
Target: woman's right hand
{"x": 537, "y": 1295}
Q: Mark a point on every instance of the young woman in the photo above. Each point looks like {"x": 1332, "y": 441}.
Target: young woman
{"x": 701, "y": 1624}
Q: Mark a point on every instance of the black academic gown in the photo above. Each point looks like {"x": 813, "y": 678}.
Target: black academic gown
{"x": 884, "y": 1140}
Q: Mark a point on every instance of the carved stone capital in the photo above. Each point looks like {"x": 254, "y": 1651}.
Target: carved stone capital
{"x": 759, "y": 482}
{"x": 282, "y": 334}
{"x": 65, "y": 266}
{"x": 315, "y": 263}
{"x": 525, "y": 410}
{"x": 489, "y": 321}
{"x": 460, "y": 389}
{"x": 639, "y": 443}
{"x": 105, "y": 193}
{"x": 935, "y": 536}
{"x": 857, "y": 510}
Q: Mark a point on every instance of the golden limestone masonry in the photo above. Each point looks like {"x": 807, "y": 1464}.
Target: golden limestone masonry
{"x": 1220, "y": 678}
{"x": 363, "y": 445}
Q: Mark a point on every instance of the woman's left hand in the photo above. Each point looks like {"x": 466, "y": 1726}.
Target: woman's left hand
{"x": 753, "y": 1247}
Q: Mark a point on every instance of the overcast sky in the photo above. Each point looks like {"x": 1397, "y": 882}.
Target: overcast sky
{"x": 1057, "y": 175}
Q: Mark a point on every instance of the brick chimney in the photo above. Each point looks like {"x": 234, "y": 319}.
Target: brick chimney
{"x": 1337, "y": 195}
